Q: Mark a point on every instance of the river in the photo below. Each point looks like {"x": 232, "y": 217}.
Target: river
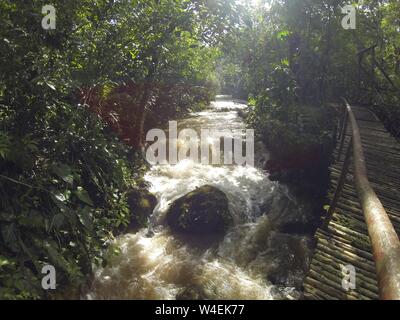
{"x": 254, "y": 260}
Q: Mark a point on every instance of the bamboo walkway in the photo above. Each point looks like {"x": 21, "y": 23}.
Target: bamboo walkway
{"x": 345, "y": 241}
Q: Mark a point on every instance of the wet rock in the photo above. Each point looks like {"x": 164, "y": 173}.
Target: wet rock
{"x": 289, "y": 257}
{"x": 141, "y": 205}
{"x": 291, "y": 215}
{"x": 203, "y": 211}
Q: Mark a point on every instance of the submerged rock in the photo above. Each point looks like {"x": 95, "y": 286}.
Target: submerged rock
{"x": 289, "y": 258}
{"x": 291, "y": 215}
{"x": 141, "y": 205}
{"x": 202, "y": 211}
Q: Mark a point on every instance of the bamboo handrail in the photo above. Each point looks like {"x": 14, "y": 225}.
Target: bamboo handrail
{"x": 384, "y": 240}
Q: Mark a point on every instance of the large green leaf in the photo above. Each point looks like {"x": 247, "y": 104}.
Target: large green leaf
{"x": 83, "y": 195}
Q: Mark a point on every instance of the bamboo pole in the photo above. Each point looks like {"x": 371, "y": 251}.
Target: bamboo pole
{"x": 384, "y": 240}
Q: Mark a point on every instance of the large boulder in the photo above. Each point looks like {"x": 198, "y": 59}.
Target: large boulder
{"x": 202, "y": 211}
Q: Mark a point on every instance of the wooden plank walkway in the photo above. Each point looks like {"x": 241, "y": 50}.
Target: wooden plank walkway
{"x": 346, "y": 241}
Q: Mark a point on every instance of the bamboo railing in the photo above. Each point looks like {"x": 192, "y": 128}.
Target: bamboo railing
{"x": 384, "y": 240}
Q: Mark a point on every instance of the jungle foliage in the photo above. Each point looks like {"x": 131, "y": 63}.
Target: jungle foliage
{"x": 75, "y": 102}
{"x": 293, "y": 57}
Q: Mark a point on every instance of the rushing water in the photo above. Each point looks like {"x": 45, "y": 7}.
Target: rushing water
{"x": 253, "y": 261}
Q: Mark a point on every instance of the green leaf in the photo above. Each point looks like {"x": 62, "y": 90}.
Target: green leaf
{"x": 57, "y": 221}
{"x": 60, "y": 196}
{"x": 55, "y": 256}
{"x": 283, "y": 34}
{"x": 285, "y": 62}
{"x": 51, "y": 86}
{"x": 4, "y": 261}
{"x": 64, "y": 172}
{"x": 85, "y": 217}
{"x": 83, "y": 196}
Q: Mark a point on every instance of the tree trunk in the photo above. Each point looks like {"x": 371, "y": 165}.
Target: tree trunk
{"x": 147, "y": 101}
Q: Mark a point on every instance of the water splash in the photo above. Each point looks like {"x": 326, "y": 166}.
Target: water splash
{"x": 161, "y": 267}
{"x": 247, "y": 188}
